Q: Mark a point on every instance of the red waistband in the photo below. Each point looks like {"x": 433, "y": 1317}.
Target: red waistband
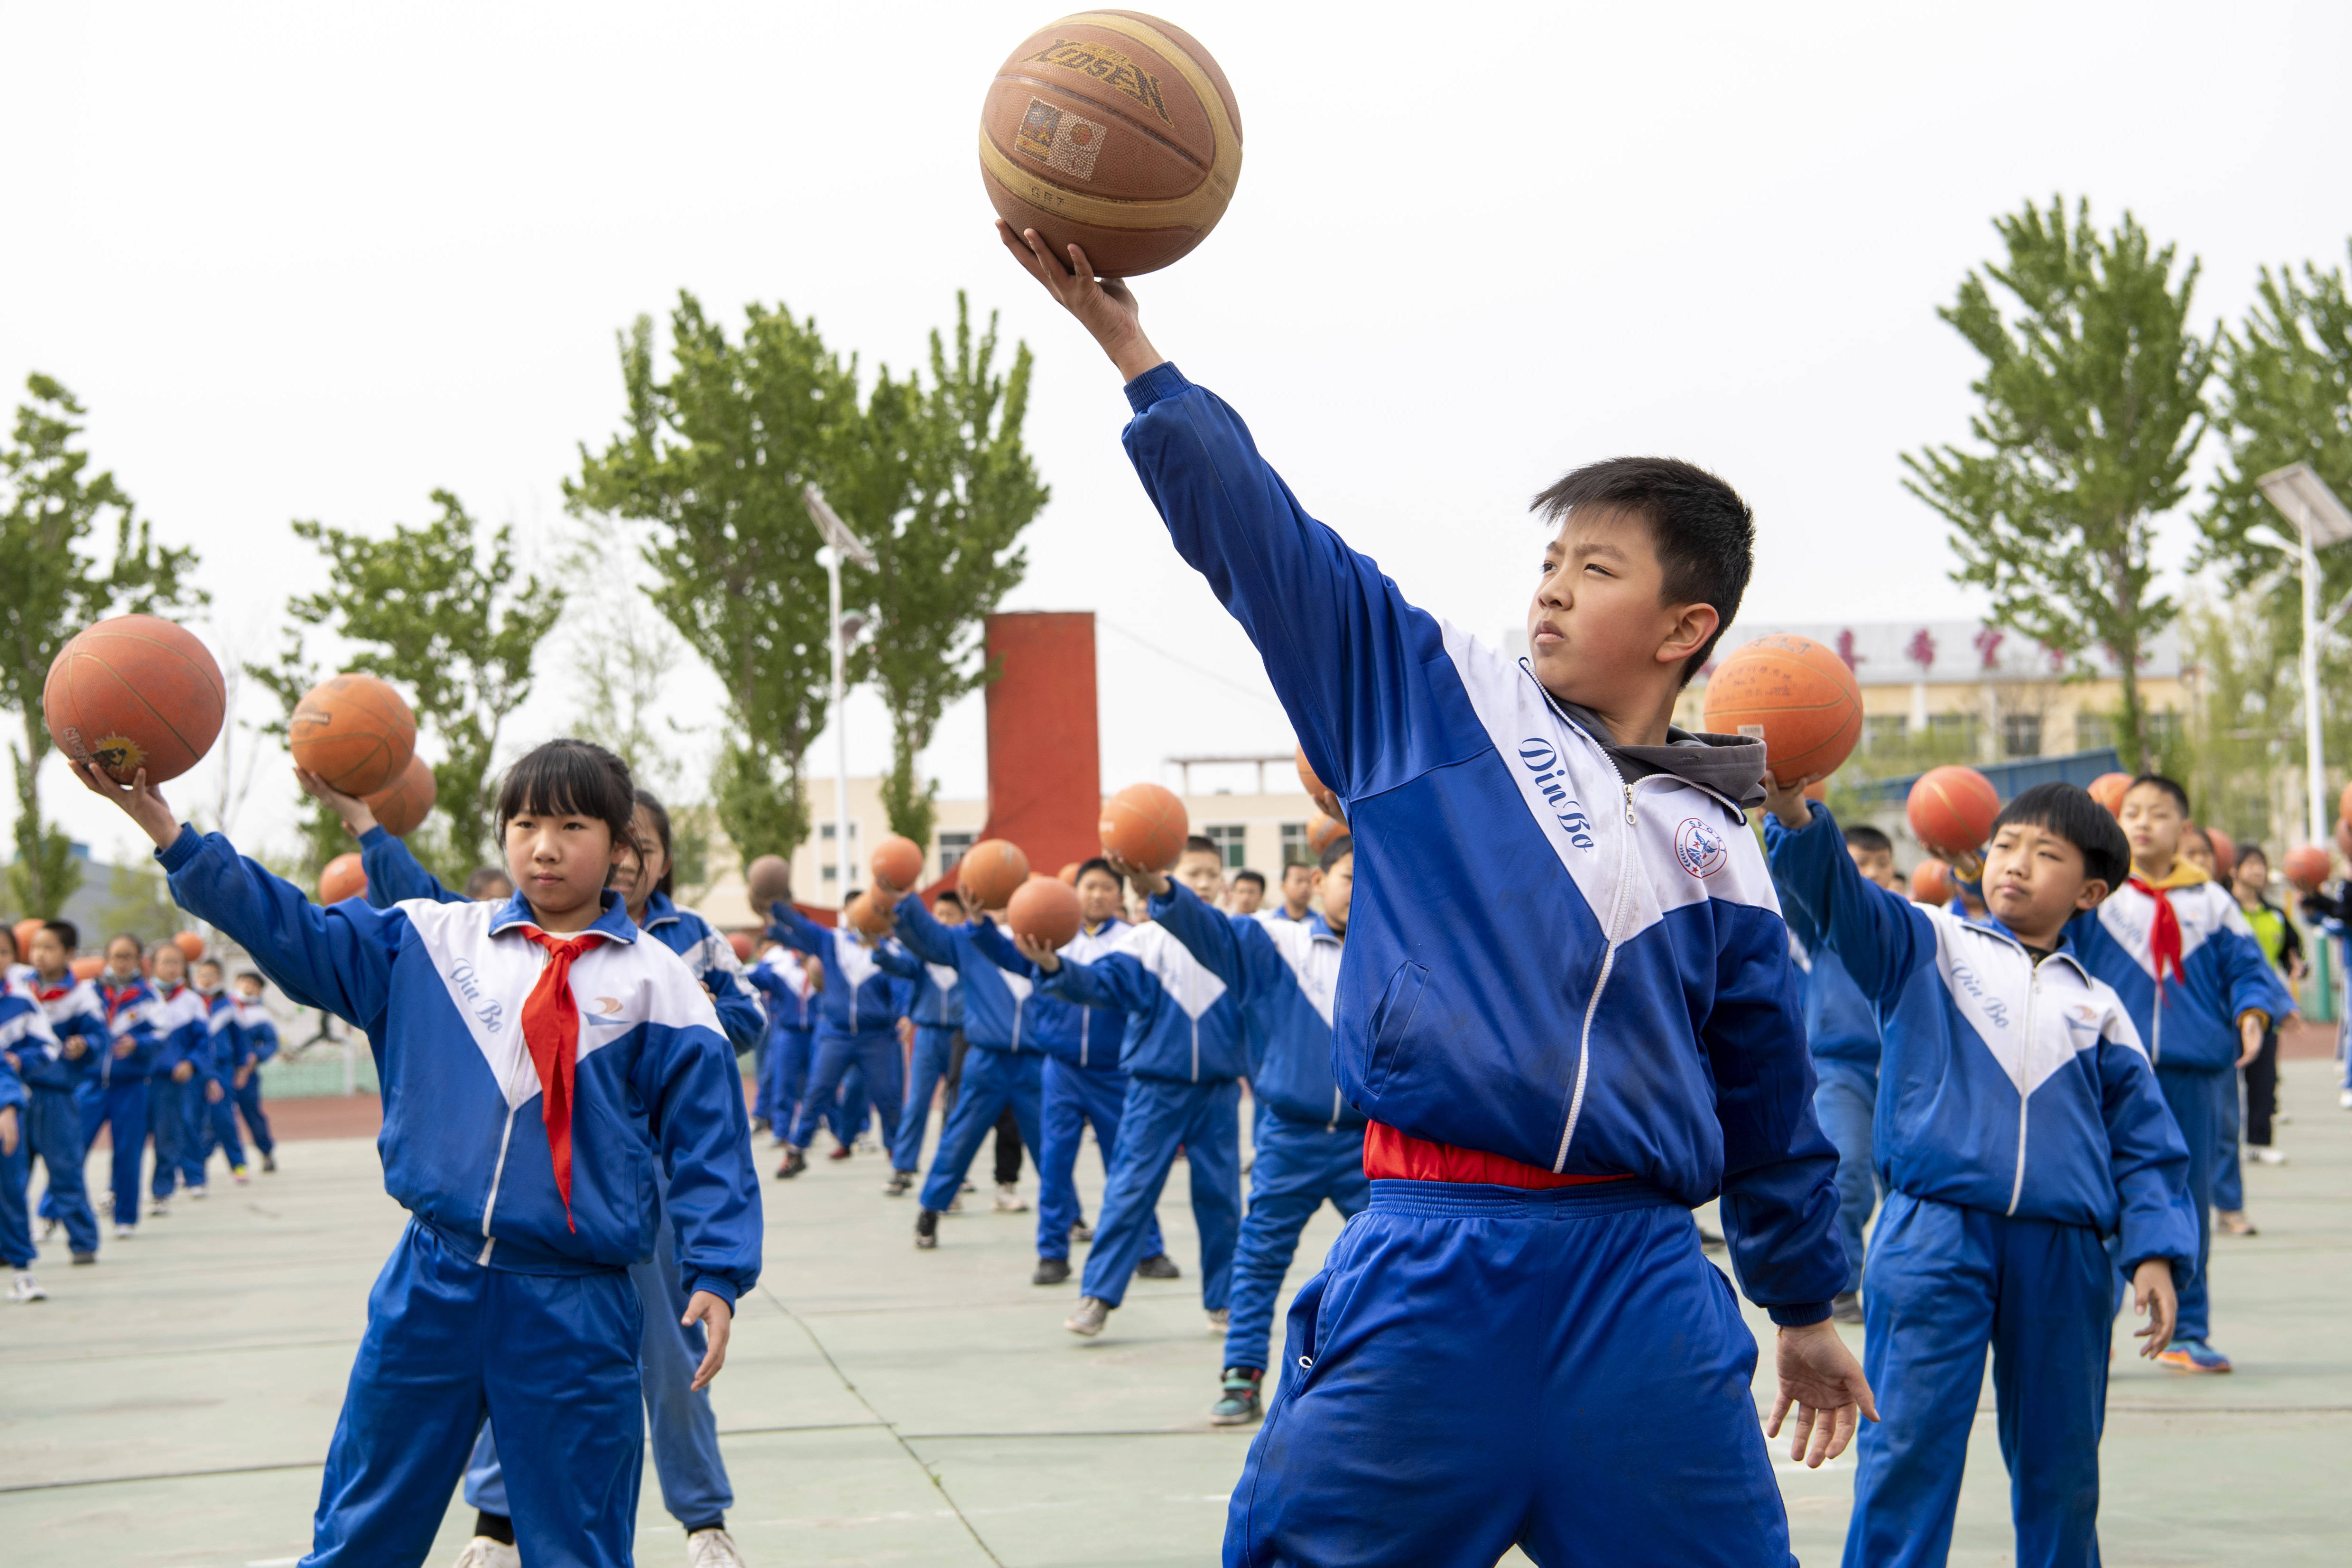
{"x": 1391, "y": 1155}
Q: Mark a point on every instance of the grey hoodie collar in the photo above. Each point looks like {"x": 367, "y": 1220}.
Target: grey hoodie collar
{"x": 1731, "y": 766}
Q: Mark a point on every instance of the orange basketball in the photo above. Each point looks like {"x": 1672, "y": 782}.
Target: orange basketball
{"x": 1069, "y": 873}
{"x": 191, "y": 945}
{"x": 2344, "y": 804}
{"x": 898, "y": 862}
{"x": 1113, "y": 130}
{"x": 1043, "y": 908}
{"x": 26, "y": 930}
{"x": 401, "y": 804}
{"x": 2225, "y": 853}
{"x": 2343, "y": 836}
{"x": 1951, "y": 811}
{"x": 2307, "y": 866}
{"x": 355, "y": 732}
{"x": 868, "y": 916}
{"x": 768, "y": 879}
{"x": 992, "y": 872}
{"x": 341, "y": 878}
{"x": 1316, "y": 790}
{"x": 1931, "y": 883}
{"x": 87, "y": 967}
{"x": 135, "y": 693}
{"x": 1144, "y": 826}
{"x": 1320, "y": 832}
{"x": 1794, "y": 694}
{"x": 2109, "y": 789}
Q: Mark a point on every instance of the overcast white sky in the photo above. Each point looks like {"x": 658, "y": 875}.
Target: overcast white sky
{"x": 312, "y": 261}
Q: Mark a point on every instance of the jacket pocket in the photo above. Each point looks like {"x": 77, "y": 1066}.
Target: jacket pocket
{"x": 1391, "y": 1020}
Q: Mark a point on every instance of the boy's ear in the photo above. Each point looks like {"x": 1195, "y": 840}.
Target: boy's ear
{"x": 1693, "y": 625}
{"x": 2095, "y": 893}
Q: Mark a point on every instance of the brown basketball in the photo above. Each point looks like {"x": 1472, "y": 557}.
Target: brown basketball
{"x": 897, "y": 861}
{"x": 26, "y": 930}
{"x": 355, "y": 732}
{"x": 992, "y": 872}
{"x": 868, "y": 916}
{"x": 1795, "y": 693}
{"x": 2344, "y": 838}
{"x": 2307, "y": 866}
{"x": 2225, "y": 853}
{"x": 1321, "y": 831}
{"x": 2109, "y": 789}
{"x": 134, "y": 691}
{"x": 1931, "y": 883}
{"x": 1115, "y": 132}
{"x": 768, "y": 879}
{"x": 1144, "y": 824}
{"x": 1950, "y": 810}
{"x": 1321, "y": 793}
{"x": 1069, "y": 873}
{"x": 90, "y": 966}
{"x": 1043, "y": 908}
{"x": 341, "y": 878}
{"x": 401, "y": 804}
{"x": 191, "y": 945}
{"x": 741, "y": 941}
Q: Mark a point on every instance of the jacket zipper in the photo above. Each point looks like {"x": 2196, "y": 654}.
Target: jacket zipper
{"x": 1084, "y": 1020}
{"x": 490, "y": 1205}
{"x": 1196, "y": 1050}
{"x": 1333, "y": 1125}
{"x": 2024, "y": 1102}
{"x": 1607, "y": 963}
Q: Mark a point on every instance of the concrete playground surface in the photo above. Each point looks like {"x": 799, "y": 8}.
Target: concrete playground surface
{"x": 171, "y": 1407}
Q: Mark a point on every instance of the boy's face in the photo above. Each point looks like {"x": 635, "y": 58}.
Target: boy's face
{"x": 1876, "y": 864}
{"x": 1338, "y": 887}
{"x": 208, "y": 976}
{"x": 1099, "y": 896}
{"x": 1599, "y": 618}
{"x": 2034, "y": 881}
{"x": 2154, "y": 822}
{"x": 561, "y": 860}
{"x": 122, "y": 959}
{"x": 2198, "y": 850}
{"x": 248, "y": 990}
{"x": 48, "y": 956}
{"x": 171, "y": 966}
{"x": 950, "y": 912}
{"x": 1203, "y": 871}
{"x": 640, "y": 865}
{"x": 1247, "y": 897}
{"x": 1298, "y": 887}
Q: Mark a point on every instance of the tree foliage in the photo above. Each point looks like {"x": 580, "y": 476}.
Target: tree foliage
{"x": 56, "y": 585}
{"x": 2092, "y": 404}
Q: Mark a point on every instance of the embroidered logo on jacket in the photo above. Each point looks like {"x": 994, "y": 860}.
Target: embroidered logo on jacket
{"x": 1699, "y": 848}
{"x": 1541, "y": 759}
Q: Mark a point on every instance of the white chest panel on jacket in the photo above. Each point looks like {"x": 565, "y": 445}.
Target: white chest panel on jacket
{"x": 1314, "y": 959}
{"x": 1190, "y": 984}
{"x": 2033, "y": 1020}
{"x": 2203, "y": 909}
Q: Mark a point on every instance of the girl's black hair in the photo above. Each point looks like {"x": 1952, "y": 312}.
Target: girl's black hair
{"x": 569, "y": 778}
{"x": 1339, "y": 850}
{"x": 1097, "y": 863}
{"x": 2068, "y": 811}
{"x": 660, "y": 814}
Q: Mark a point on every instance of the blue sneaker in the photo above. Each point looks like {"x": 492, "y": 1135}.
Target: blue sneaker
{"x": 2193, "y": 1355}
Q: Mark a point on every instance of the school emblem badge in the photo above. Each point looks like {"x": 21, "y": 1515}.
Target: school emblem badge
{"x": 1060, "y": 140}
{"x": 1698, "y": 847}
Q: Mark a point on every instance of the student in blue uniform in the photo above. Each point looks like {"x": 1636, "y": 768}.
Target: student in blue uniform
{"x": 1083, "y": 1084}
{"x": 2019, "y": 1126}
{"x": 2201, "y": 993}
{"x": 1565, "y": 978}
{"x": 792, "y": 982}
{"x": 179, "y": 1024}
{"x": 113, "y": 1090}
{"x": 27, "y": 1047}
{"x": 72, "y": 1009}
{"x": 869, "y": 984}
{"x": 260, "y": 1034}
{"x": 224, "y": 1062}
{"x": 542, "y": 1061}
{"x": 938, "y": 1014}
{"x": 1183, "y": 1056}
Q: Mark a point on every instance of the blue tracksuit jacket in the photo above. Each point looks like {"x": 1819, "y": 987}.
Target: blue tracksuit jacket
{"x": 28, "y": 1049}
{"x": 1841, "y": 1025}
{"x": 1545, "y": 961}
{"x": 1183, "y": 1024}
{"x": 129, "y": 1012}
{"x": 995, "y": 1003}
{"x": 711, "y": 958}
{"x": 1284, "y": 974}
{"x": 792, "y": 1000}
{"x": 439, "y": 989}
{"x": 939, "y": 998}
{"x": 1084, "y": 1036}
{"x": 2016, "y": 1087}
{"x": 72, "y": 1007}
{"x": 865, "y": 987}
{"x": 184, "y": 1021}
{"x": 2224, "y": 974}
{"x": 252, "y": 1022}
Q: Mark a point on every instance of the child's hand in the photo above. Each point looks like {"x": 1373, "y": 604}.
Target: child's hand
{"x": 124, "y": 1047}
{"x": 1152, "y": 882}
{"x": 7, "y": 1130}
{"x": 356, "y": 814}
{"x": 1819, "y": 1376}
{"x": 1103, "y": 306}
{"x": 183, "y": 1072}
{"x": 1787, "y": 802}
{"x": 1037, "y": 952}
{"x": 140, "y": 802}
{"x": 717, "y": 1320}
{"x": 2153, "y": 1295}
{"x": 74, "y": 1047}
{"x": 212, "y": 1091}
{"x": 2250, "y": 1037}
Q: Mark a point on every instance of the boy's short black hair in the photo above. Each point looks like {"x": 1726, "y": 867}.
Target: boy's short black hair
{"x": 136, "y": 945}
{"x": 570, "y": 778}
{"x": 2068, "y": 811}
{"x": 1703, "y": 533}
{"x": 1097, "y": 863}
{"x": 207, "y": 962}
{"x": 1339, "y": 850}
{"x": 253, "y": 976}
{"x": 659, "y": 814}
{"x": 1248, "y": 875}
{"x": 2169, "y": 786}
{"x": 950, "y": 896}
{"x": 1196, "y": 845}
{"x": 482, "y": 876}
{"x": 1862, "y": 835}
{"x": 66, "y": 932}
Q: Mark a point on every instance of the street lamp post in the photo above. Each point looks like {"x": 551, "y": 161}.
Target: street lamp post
{"x": 2304, "y": 499}
{"x": 839, "y": 542}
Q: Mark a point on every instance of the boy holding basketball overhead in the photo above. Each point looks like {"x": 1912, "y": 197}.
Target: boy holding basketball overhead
{"x": 1568, "y": 1013}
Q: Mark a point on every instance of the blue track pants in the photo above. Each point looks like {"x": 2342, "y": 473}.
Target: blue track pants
{"x": 2195, "y": 1097}
{"x": 16, "y": 1248}
{"x": 992, "y": 1080}
{"x": 933, "y": 1042}
{"x": 248, "y": 1108}
{"x": 2228, "y": 1178}
{"x": 55, "y": 1128}
{"x": 551, "y": 1358}
{"x": 1205, "y": 1119}
{"x": 1944, "y": 1282}
{"x": 1075, "y": 1099}
{"x": 1479, "y": 1366}
{"x": 121, "y": 1109}
{"x": 1844, "y": 1101}
{"x": 876, "y": 1055}
{"x": 167, "y": 1129}
{"x": 213, "y": 1125}
{"x": 693, "y": 1477}
{"x": 1295, "y": 1166}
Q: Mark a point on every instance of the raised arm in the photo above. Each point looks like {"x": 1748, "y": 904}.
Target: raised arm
{"x": 897, "y": 962}
{"x": 932, "y": 942}
{"x": 993, "y": 945}
{"x": 394, "y": 873}
{"x": 338, "y": 959}
{"x": 1879, "y": 937}
{"x": 1217, "y": 940}
{"x": 797, "y": 931}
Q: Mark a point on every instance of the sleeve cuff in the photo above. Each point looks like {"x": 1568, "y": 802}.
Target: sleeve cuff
{"x": 2261, "y": 1013}
{"x": 1161, "y": 381}
{"x": 181, "y": 850}
{"x": 375, "y": 836}
{"x": 1803, "y": 1316}
{"x": 722, "y": 1288}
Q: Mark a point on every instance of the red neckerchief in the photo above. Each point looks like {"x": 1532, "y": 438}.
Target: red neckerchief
{"x": 57, "y": 992}
{"x": 2164, "y": 934}
{"x": 116, "y": 1000}
{"x": 550, "y": 1031}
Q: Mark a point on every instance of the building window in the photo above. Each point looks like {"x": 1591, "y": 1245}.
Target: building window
{"x": 1294, "y": 845}
{"x": 1953, "y": 728}
{"x": 1228, "y": 837}
{"x": 953, "y": 848}
{"x": 2021, "y": 734}
{"x": 2162, "y": 730}
{"x": 2094, "y": 731}
{"x": 1884, "y": 730}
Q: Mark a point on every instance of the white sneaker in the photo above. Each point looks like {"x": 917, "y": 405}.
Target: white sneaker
{"x": 158, "y": 1209}
{"x": 48, "y": 1230}
{"x": 484, "y": 1553}
{"x": 867, "y": 1144}
{"x": 27, "y": 1288}
{"x": 2268, "y": 1156}
{"x": 955, "y": 1205}
{"x": 2344, "y": 1100}
{"x": 1009, "y": 1199}
{"x": 712, "y": 1549}
{"x": 124, "y": 1232}
{"x": 1087, "y": 1321}
{"x": 1220, "y": 1319}
{"x": 195, "y": 1195}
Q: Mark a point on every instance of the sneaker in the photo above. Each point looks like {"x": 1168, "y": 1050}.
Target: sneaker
{"x": 2344, "y": 1100}
{"x": 483, "y": 1551}
{"x": 196, "y": 1193}
{"x": 1158, "y": 1265}
{"x": 955, "y": 1204}
{"x": 239, "y": 1172}
{"x": 896, "y": 1187}
{"x": 927, "y": 1229}
{"x": 867, "y": 1144}
{"x": 82, "y": 1259}
{"x": 27, "y": 1289}
{"x": 1709, "y": 1241}
{"x": 269, "y": 1164}
{"x": 1847, "y": 1307}
{"x": 759, "y": 1124}
{"x": 2233, "y": 1222}
{"x": 967, "y": 1188}
{"x": 2193, "y": 1355}
{"x": 2270, "y": 1156}
{"x": 1238, "y": 1406}
{"x": 125, "y": 1231}
{"x": 1051, "y": 1271}
{"x": 840, "y": 1151}
{"x": 1221, "y": 1319}
{"x": 1081, "y": 1231}
{"x": 158, "y": 1209}
{"x": 1087, "y": 1321}
{"x": 795, "y": 1163}
{"x": 48, "y": 1230}
{"x": 1009, "y": 1199}
{"x": 712, "y": 1549}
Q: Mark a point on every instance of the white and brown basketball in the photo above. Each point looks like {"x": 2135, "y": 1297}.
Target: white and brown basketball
{"x": 1115, "y": 132}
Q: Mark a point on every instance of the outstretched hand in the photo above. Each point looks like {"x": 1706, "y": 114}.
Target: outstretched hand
{"x": 140, "y": 802}
{"x": 357, "y": 815}
{"x": 1036, "y": 952}
{"x": 1106, "y": 307}
{"x": 718, "y": 1320}
{"x": 1153, "y": 883}
{"x": 1788, "y": 801}
{"x": 1821, "y": 1378}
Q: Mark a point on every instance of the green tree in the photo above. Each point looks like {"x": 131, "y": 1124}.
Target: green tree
{"x": 55, "y": 584}
{"x": 2092, "y": 404}
{"x": 436, "y": 610}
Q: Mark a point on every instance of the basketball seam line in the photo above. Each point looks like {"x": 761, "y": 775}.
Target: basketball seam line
{"x": 194, "y": 755}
